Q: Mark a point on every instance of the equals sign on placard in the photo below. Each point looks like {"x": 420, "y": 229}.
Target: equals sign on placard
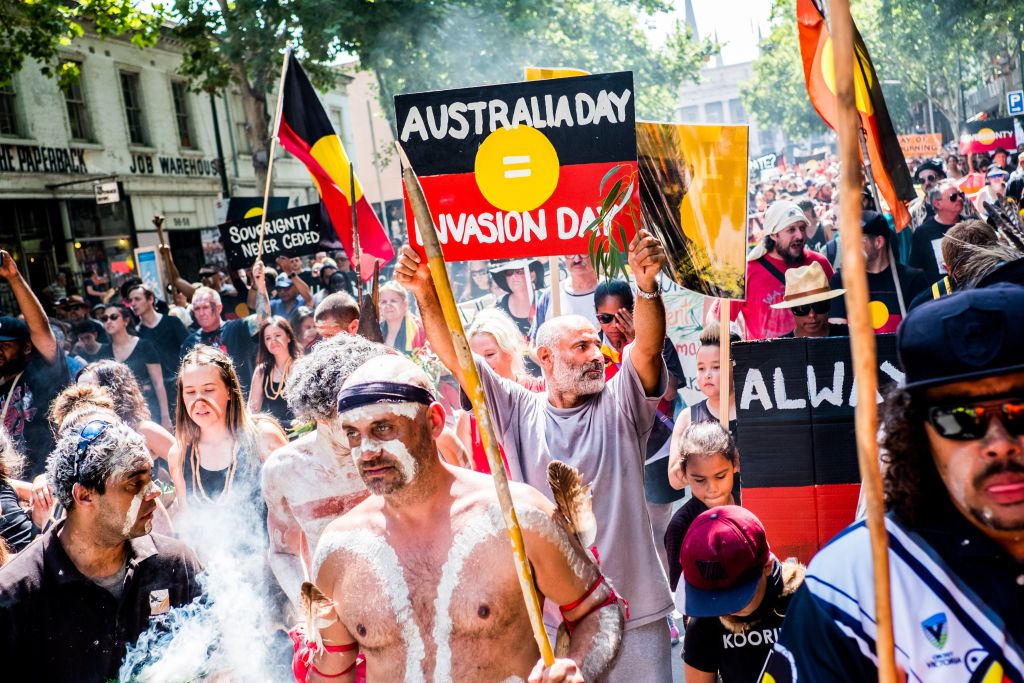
{"x": 516, "y": 161}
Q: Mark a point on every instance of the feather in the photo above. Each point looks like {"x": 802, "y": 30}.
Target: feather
{"x": 318, "y": 610}
{"x": 369, "y": 311}
{"x": 573, "y": 500}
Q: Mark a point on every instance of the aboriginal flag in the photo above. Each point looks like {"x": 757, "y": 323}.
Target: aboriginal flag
{"x": 307, "y": 133}
{"x": 888, "y": 165}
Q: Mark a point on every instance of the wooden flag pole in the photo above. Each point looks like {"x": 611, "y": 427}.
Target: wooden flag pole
{"x": 862, "y": 334}
{"x": 556, "y": 286}
{"x": 357, "y": 257}
{"x": 273, "y": 150}
{"x": 438, "y": 272}
{"x": 724, "y": 363}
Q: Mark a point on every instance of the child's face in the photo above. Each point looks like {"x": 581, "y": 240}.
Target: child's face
{"x": 710, "y": 479}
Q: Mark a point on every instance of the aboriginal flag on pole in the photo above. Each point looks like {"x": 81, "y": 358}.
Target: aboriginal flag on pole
{"x": 307, "y": 133}
{"x": 888, "y": 166}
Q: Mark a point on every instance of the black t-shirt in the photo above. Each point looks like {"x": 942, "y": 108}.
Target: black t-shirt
{"x": 523, "y": 324}
{"x": 56, "y": 625}
{"x": 233, "y": 338}
{"x": 676, "y": 532}
{"x": 166, "y": 338}
{"x": 142, "y": 355}
{"x": 925, "y": 248}
{"x": 885, "y": 311}
{"x": 738, "y": 657}
{"x": 26, "y": 418}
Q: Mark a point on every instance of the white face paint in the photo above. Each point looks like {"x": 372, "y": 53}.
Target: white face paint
{"x": 133, "y": 512}
{"x": 392, "y": 447}
{"x": 479, "y": 529}
{"x": 381, "y": 557}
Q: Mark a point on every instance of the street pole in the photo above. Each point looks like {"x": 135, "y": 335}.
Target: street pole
{"x": 376, "y": 169}
{"x": 931, "y": 112}
{"x": 220, "y": 148}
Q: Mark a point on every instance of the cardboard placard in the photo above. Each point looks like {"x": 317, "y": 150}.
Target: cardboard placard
{"x": 928, "y": 145}
{"x": 514, "y": 170}
{"x": 795, "y": 410}
{"x": 295, "y": 232}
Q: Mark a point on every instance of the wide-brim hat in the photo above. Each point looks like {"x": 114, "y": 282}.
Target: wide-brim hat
{"x": 500, "y": 271}
{"x": 929, "y": 165}
{"x": 807, "y": 285}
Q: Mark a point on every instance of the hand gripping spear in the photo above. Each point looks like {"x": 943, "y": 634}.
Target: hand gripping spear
{"x": 435, "y": 260}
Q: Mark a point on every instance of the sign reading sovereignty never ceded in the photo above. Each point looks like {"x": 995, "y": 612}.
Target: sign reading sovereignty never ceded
{"x": 514, "y": 170}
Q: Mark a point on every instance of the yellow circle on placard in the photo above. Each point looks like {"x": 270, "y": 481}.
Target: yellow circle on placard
{"x": 516, "y": 169}
{"x": 253, "y": 212}
{"x": 861, "y": 87}
{"x": 985, "y": 136}
{"x": 879, "y": 314}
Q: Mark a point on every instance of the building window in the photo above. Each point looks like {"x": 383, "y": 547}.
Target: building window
{"x": 338, "y": 119}
{"x": 736, "y": 112}
{"x": 179, "y": 92}
{"x": 78, "y": 115}
{"x": 131, "y": 93}
{"x": 713, "y": 112}
{"x": 241, "y": 125}
{"x": 689, "y": 114}
{"x": 8, "y": 111}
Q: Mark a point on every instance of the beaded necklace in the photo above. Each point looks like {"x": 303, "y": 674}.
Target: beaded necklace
{"x": 197, "y": 478}
{"x": 268, "y": 382}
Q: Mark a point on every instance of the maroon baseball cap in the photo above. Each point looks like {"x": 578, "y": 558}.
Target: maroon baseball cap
{"x": 723, "y": 558}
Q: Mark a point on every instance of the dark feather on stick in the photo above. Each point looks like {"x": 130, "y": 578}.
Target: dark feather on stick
{"x": 572, "y": 499}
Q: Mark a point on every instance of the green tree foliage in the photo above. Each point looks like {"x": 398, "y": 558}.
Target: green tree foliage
{"x": 38, "y": 29}
{"x": 412, "y": 46}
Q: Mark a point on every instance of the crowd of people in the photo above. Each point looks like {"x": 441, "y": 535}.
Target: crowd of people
{"x": 159, "y": 454}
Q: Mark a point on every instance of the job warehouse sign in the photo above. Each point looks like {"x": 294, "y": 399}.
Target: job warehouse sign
{"x": 514, "y": 170}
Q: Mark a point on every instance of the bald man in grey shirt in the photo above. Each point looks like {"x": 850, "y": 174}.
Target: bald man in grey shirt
{"x": 599, "y": 428}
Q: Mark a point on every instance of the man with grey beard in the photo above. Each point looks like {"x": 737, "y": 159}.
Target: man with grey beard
{"x": 599, "y": 428}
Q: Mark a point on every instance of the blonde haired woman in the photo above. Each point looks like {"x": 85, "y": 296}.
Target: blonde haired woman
{"x": 219, "y": 446}
{"x": 402, "y": 330}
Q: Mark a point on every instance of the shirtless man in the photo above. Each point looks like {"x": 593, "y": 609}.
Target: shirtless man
{"x": 420, "y": 573}
{"x": 309, "y": 482}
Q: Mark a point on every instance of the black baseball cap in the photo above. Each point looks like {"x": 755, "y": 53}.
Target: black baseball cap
{"x": 874, "y": 224}
{"x": 13, "y": 329}
{"x": 968, "y": 335}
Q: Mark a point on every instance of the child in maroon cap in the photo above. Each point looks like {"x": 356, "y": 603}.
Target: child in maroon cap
{"x": 738, "y": 593}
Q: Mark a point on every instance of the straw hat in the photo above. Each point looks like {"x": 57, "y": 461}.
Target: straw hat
{"x": 807, "y": 285}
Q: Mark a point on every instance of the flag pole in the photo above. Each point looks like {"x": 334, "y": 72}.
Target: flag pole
{"x": 862, "y": 336}
{"x": 357, "y": 256}
{"x": 273, "y": 150}
{"x": 724, "y": 364}
{"x": 435, "y": 259}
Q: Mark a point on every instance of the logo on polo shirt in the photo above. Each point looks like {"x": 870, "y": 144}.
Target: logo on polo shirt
{"x": 935, "y": 630}
{"x": 159, "y": 602}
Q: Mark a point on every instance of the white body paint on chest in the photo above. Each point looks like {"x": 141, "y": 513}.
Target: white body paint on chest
{"x": 382, "y": 558}
{"x": 479, "y": 529}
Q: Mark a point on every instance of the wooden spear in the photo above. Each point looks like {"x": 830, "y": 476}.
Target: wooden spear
{"x": 862, "y": 334}
{"x": 438, "y": 272}
{"x": 273, "y": 150}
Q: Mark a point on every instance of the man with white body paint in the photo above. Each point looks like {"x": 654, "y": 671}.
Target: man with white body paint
{"x": 73, "y": 600}
{"x": 311, "y": 481}
{"x": 599, "y": 428}
{"x": 420, "y": 573}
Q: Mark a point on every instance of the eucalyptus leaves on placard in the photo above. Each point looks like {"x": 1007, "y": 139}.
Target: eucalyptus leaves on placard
{"x": 608, "y": 246}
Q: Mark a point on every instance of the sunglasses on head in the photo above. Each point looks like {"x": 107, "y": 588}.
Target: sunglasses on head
{"x": 92, "y": 431}
{"x": 966, "y": 421}
{"x": 605, "y": 318}
{"x": 819, "y": 307}
{"x": 112, "y": 316}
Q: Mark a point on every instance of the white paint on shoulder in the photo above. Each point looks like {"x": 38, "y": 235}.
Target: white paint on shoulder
{"x": 372, "y": 548}
{"x": 477, "y": 530}
{"x": 539, "y": 522}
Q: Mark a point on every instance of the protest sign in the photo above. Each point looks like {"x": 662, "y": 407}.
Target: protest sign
{"x": 929, "y": 145}
{"x": 795, "y": 401}
{"x": 693, "y": 196}
{"x": 295, "y": 232}
{"x": 977, "y": 137}
{"x": 514, "y": 170}
{"x": 764, "y": 162}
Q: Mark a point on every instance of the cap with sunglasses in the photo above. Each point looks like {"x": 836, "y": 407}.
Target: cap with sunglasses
{"x": 807, "y": 285}
{"x": 969, "y": 335}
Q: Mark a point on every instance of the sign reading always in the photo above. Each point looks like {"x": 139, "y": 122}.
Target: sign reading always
{"x": 39, "y": 159}
{"x": 514, "y": 170}
{"x": 795, "y": 404}
{"x": 107, "y": 193}
{"x": 929, "y": 145}
{"x": 295, "y": 232}
{"x": 988, "y": 135}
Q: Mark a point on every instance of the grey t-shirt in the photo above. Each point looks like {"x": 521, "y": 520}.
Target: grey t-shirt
{"x": 605, "y": 439}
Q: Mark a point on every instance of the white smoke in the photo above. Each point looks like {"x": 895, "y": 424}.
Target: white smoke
{"x": 229, "y": 632}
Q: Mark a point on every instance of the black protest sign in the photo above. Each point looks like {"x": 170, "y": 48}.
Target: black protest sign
{"x": 764, "y": 162}
{"x": 514, "y": 170}
{"x": 295, "y": 232}
{"x": 795, "y": 400}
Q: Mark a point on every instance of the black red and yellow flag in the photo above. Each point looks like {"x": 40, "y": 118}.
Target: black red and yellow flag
{"x": 307, "y": 133}
{"x": 888, "y": 165}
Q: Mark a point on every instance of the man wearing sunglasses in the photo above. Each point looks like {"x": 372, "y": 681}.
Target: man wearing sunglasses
{"x": 926, "y": 245}
{"x": 954, "y": 487}
{"x": 76, "y": 598}
{"x": 926, "y": 175}
{"x": 809, "y": 298}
